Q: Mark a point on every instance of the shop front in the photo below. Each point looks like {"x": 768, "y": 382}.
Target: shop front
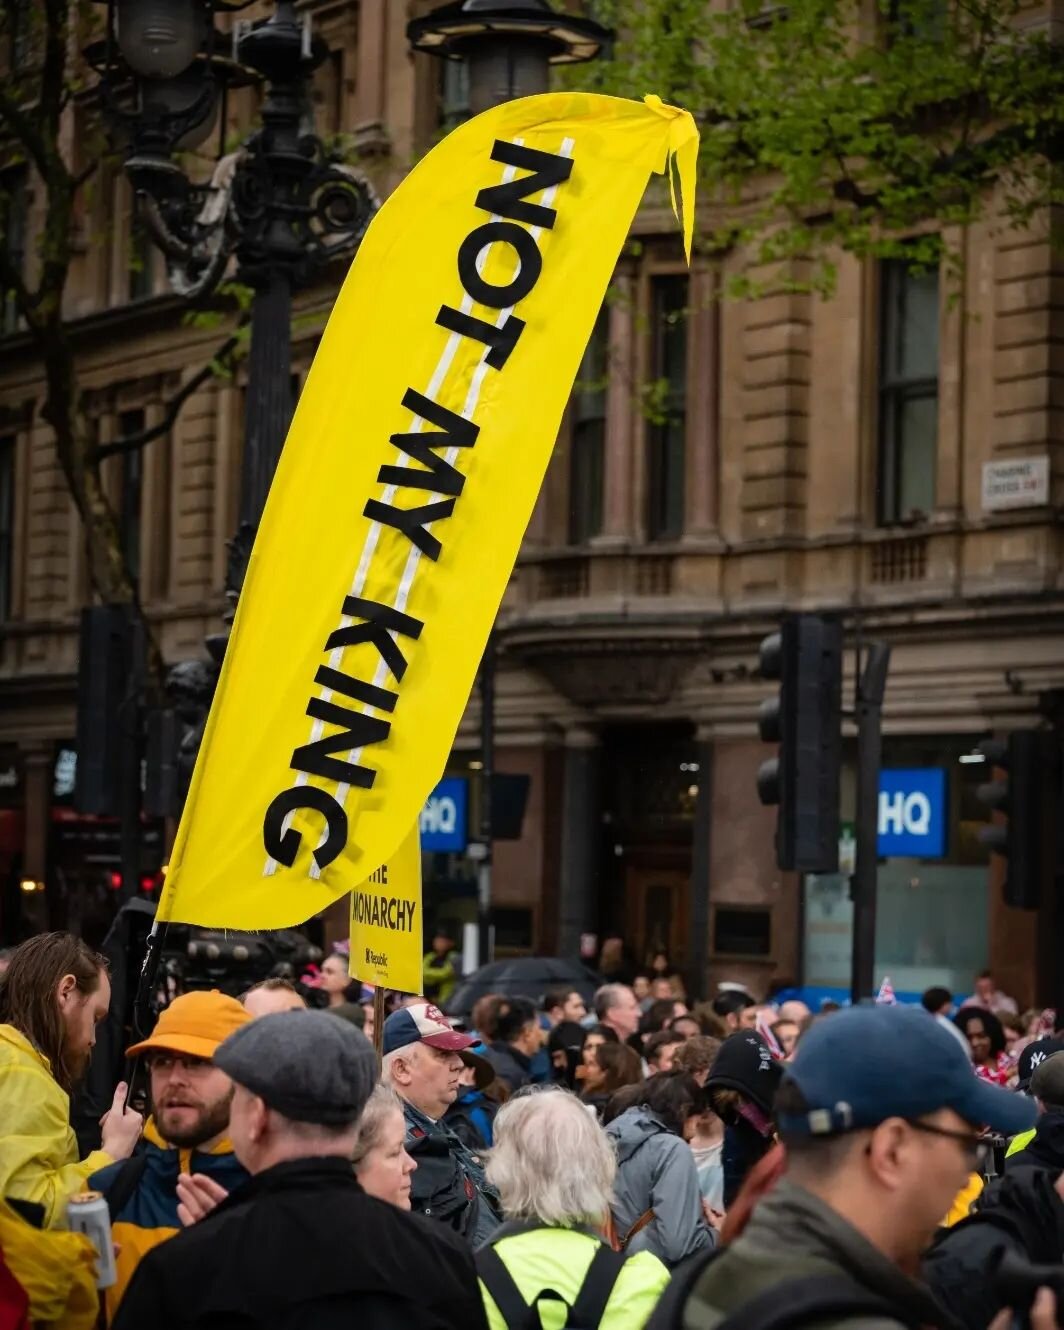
{"x": 933, "y": 908}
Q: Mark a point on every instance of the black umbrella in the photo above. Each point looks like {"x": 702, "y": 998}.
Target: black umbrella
{"x": 525, "y": 976}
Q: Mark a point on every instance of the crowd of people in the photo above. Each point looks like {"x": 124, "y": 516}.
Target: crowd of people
{"x": 643, "y": 1162}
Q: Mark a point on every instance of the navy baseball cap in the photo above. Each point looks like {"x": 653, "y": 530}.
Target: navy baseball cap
{"x": 862, "y": 1066}
{"x": 422, "y": 1023}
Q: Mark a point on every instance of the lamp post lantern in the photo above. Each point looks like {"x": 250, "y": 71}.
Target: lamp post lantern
{"x": 279, "y": 205}
{"x": 508, "y": 48}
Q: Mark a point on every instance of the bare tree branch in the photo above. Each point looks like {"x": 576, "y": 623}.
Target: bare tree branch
{"x": 223, "y": 358}
{"x": 24, "y": 129}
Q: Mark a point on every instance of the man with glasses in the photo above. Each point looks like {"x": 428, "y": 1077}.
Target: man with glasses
{"x": 187, "y": 1132}
{"x": 882, "y": 1119}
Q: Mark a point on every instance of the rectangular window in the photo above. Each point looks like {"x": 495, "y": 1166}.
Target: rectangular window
{"x": 13, "y": 205}
{"x": 586, "y": 458}
{"x": 908, "y": 393}
{"x": 454, "y": 94}
{"x": 667, "y": 408}
{"x": 129, "y": 424}
{"x": 7, "y": 523}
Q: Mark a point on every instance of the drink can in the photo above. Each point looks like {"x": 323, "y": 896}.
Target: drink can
{"x": 87, "y": 1213}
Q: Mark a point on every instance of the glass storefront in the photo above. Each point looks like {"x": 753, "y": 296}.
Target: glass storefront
{"x": 931, "y": 925}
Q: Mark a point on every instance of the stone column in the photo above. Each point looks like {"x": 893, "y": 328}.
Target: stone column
{"x": 371, "y": 135}
{"x": 617, "y": 514}
{"x": 703, "y": 409}
{"x": 578, "y": 907}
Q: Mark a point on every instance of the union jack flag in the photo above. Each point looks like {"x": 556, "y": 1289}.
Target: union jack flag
{"x": 885, "y": 997}
{"x": 764, "y": 1029}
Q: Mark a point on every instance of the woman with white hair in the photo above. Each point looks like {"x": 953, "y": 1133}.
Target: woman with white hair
{"x": 382, "y": 1164}
{"x": 549, "y": 1263}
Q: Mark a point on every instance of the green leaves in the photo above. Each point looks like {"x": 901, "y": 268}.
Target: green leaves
{"x": 827, "y": 125}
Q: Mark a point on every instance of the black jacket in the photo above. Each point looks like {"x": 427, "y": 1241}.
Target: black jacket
{"x": 302, "y": 1245}
{"x": 1019, "y": 1213}
{"x": 1046, "y": 1150}
{"x": 448, "y": 1184}
{"x": 511, "y": 1065}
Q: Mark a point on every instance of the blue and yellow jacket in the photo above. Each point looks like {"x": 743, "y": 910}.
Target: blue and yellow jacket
{"x": 148, "y": 1215}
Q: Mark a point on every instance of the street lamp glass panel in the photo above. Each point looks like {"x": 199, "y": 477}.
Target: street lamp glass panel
{"x": 176, "y": 96}
{"x": 159, "y": 38}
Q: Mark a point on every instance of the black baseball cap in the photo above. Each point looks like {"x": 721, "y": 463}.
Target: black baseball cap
{"x": 1034, "y": 1055}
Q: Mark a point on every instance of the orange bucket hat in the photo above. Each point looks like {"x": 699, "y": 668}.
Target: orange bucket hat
{"x": 195, "y": 1023}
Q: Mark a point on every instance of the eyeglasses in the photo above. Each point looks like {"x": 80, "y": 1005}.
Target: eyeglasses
{"x": 975, "y": 1148}
{"x": 168, "y": 1062}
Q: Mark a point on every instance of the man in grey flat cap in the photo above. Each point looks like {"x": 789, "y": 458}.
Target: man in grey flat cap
{"x": 301, "y": 1243}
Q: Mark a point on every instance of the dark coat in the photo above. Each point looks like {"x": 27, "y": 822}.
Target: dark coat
{"x": 1019, "y": 1213}
{"x": 448, "y": 1184}
{"x": 302, "y": 1245}
{"x": 1045, "y": 1149}
{"x": 511, "y": 1065}
{"x": 471, "y": 1117}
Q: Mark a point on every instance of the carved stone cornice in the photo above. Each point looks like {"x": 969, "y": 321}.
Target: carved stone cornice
{"x": 613, "y": 667}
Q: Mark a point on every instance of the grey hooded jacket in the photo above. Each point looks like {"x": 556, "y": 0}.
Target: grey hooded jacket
{"x": 656, "y": 1171}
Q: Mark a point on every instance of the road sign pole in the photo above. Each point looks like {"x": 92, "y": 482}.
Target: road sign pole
{"x": 871, "y": 687}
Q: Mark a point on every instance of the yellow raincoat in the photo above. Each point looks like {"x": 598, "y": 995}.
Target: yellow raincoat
{"x": 57, "y": 1271}
{"x": 38, "y": 1149}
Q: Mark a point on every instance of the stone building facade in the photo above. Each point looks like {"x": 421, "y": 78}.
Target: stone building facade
{"x": 720, "y": 462}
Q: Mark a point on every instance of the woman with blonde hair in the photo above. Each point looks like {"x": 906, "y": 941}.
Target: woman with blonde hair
{"x": 549, "y": 1263}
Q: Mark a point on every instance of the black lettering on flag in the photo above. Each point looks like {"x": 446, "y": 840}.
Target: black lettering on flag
{"x": 501, "y": 338}
{"x": 411, "y": 522}
{"x": 284, "y": 845}
{"x": 383, "y": 911}
{"x": 356, "y": 689}
{"x": 452, "y": 431}
{"x": 509, "y": 199}
{"x": 499, "y": 233}
{"x": 381, "y": 621}
{"x": 356, "y": 731}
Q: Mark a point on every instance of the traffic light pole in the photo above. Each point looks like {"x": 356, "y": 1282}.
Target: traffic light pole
{"x": 871, "y": 688}
{"x": 487, "y": 773}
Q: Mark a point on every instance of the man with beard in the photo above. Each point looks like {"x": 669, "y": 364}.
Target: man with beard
{"x": 187, "y": 1133}
{"x": 54, "y": 994}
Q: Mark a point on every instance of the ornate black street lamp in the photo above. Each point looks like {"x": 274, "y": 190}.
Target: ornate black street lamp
{"x": 279, "y": 205}
{"x": 507, "y": 47}
{"x": 279, "y": 208}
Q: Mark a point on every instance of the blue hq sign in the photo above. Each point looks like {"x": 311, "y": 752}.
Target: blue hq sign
{"x": 443, "y": 819}
{"x": 912, "y": 812}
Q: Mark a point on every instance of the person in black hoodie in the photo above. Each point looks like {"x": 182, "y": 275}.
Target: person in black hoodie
{"x": 301, "y": 1244}
{"x": 565, "y": 1045}
{"x": 742, "y": 1086}
{"x": 518, "y": 1038}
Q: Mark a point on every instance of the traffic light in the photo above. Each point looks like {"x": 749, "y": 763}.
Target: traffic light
{"x": 162, "y": 778}
{"x": 1026, "y": 780}
{"x": 108, "y": 638}
{"x": 805, "y": 720}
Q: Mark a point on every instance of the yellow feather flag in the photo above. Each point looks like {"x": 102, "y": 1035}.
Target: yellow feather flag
{"x": 404, "y": 489}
